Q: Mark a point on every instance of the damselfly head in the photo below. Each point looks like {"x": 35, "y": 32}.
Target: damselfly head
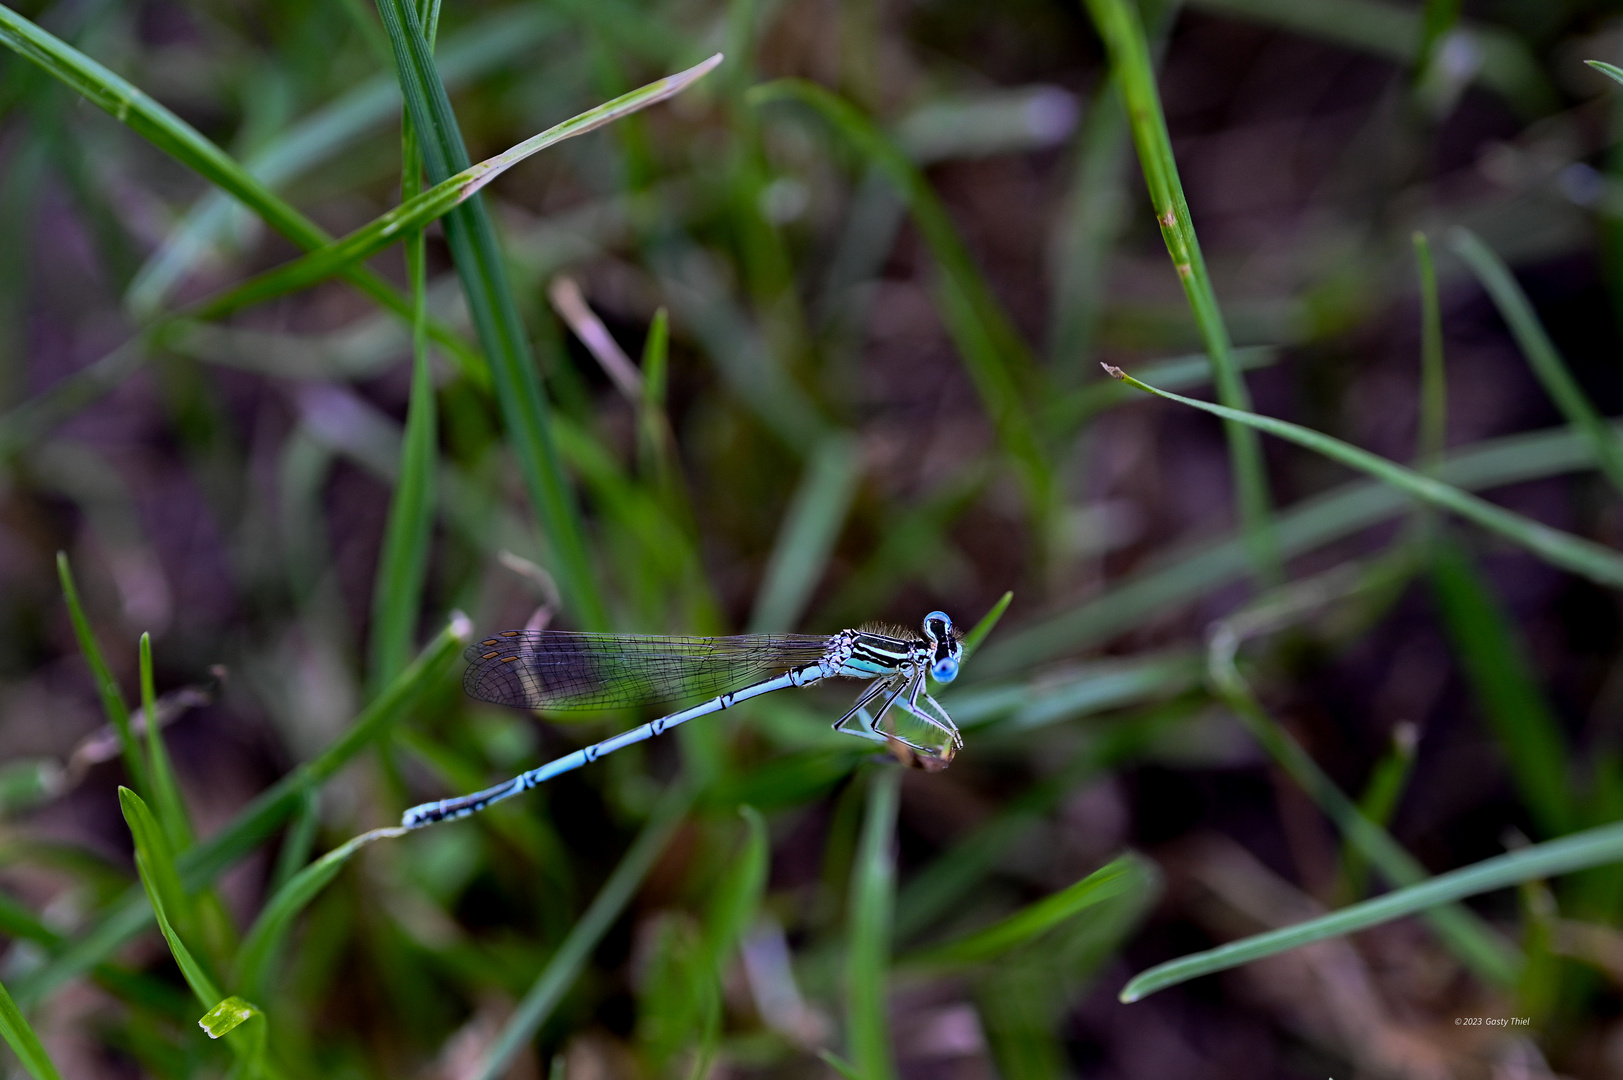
{"x": 946, "y": 649}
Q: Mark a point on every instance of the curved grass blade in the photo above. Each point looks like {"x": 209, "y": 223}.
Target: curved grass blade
{"x": 324, "y": 133}
{"x": 421, "y": 209}
{"x": 1124, "y": 875}
{"x": 397, "y": 592}
{"x": 1475, "y": 943}
{"x": 163, "y": 890}
{"x": 259, "y": 819}
{"x": 980, "y": 631}
{"x": 177, "y": 825}
{"x": 112, "y": 698}
{"x": 1592, "y": 847}
{"x": 19, "y": 1035}
{"x": 993, "y": 353}
{"x": 1118, "y": 24}
{"x": 566, "y": 964}
{"x": 161, "y": 127}
{"x": 1541, "y": 353}
{"x": 1583, "y": 557}
{"x": 1611, "y": 71}
{"x": 869, "y": 915}
{"x": 1199, "y": 568}
{"x": 259, "y": 949}
{"x": 1496, "y": 664}
{"x": 472, "y": 239}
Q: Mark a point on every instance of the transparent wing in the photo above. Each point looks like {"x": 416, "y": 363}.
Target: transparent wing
{"x": 548, "y": 669}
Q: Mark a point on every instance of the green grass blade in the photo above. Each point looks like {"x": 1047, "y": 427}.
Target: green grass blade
{"x": 1118, "y": 24}
{"x": 983, "y": 629}
{"x": 1195, "y": 570}
{"x": 259, "y": 952}
{"x": 112, "y": 698}
{"x": 163, "y": 889}
{"x": 996, "y": 358}
{"x": 1494, "y": 961}
{"x": 19, "y": 1035}
{"x": 397, "y": 592}
{"x": 566, "y": 964}
{"x": 424, "y": 207}
{"x": 1611, "y": 71}
{"x": 517, "y": 384}
{"x": 249, "y": 828}
{"x": 1432, "y": 439}
{"x": 1127, "y": 874}
{"x": 869, "y": 914}
{"x": 144, "y": 116}
{"x": 325, "y": 133}
{"x": 1593, "y": 847}
{"x": 737, "y": 897}
{"x": 810, "y": 529}
{"x": 177, "y": 824}
{"x": 1583, "y": 557}
{"x": 1500, "y": 674}
{"x": 1387, "y": 783}
{"x": 1541, "y": 353}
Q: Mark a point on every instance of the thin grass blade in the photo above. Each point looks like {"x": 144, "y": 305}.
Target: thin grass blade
{"x": 1541, "y": 353}
{"x": 869, "y": 915}
{"x": 1500, "y": 673}
{"x": 420, "y": 209}
{"x": 19, "y": 1035}
{"x": 112, "y": 698}
{"x": 566, "y": 964}
{"x": 161, "y": 127}
{"x": 177, "y": 823}
{"x": 259, "y": 953}
{"x": 1583, "y": 557}
{"x": 1118, "y": 24}
{"x": 248, "y": 829}
{"x": 472, "y": 239}
{"x": 996, "y": 358}
{"x": 1579, "y": 851}
{"x": 1124, "y": 875}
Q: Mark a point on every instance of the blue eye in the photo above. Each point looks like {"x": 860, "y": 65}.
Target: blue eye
{"x": 945, "y": 669}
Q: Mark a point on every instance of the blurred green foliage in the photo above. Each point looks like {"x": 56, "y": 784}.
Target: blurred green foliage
{"x": 272, "y": 469}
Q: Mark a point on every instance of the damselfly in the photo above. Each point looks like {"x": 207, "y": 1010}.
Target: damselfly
{"x": 546, "y": 669}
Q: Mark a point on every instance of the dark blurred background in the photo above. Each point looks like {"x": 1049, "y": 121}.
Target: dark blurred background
{"x": 831, "y": 461}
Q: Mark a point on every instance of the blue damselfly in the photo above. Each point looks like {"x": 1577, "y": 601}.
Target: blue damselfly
{"x": 545, "y": 669}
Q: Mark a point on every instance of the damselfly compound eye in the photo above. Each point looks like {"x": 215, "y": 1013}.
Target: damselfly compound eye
{"x": 945, "y": 669}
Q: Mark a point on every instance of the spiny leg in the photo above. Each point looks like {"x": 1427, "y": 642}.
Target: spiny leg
{"x": 859, "y": 713}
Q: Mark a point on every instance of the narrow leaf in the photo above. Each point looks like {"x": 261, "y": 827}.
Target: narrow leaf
{"x": 1118, "y": 24}
{"x": 1593, "y": 847}
{"x": 112, "y": 698}
{"x": 19, "y": 1035}
{"x": 867, "y": 961}
{"x": 1583, "y": 557}
{"x": 1122, "y": 876}
{"x": 1541, "y": 353}
{"x": 423, "y": 208}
